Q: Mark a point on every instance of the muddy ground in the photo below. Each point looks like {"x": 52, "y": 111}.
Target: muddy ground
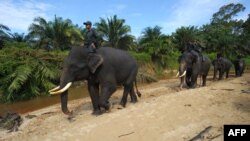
{"x": 164, "y": 113}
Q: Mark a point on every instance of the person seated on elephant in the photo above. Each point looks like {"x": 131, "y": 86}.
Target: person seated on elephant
{"x": 195, "y": 47}
{"x": 91, "y": 42}
{"x": 219, "y": 55}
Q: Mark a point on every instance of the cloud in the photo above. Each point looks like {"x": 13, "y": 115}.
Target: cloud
{"x": 192, "y": 12}
{"x": 114, "y": 9}
{"x": 19, "y": 14}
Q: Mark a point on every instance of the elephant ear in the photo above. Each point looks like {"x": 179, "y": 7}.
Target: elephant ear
{"x": 94, "y": 61}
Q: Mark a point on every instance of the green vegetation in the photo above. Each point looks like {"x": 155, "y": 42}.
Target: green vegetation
{"x": 30, "y": 64}
{"x": 27, "y": 73}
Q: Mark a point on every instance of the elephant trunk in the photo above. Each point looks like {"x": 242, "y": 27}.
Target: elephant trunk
{"x": 63, "y": 91}
{"x": 64, "y": 103}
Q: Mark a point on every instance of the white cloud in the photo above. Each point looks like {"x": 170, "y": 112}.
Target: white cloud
{"x": 19, "y": 14}
{"x": 192, "y": 12}
{"x": 114, "y": 9}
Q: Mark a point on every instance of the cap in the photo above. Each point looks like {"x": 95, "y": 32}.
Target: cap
{"x": 87, "y": 23}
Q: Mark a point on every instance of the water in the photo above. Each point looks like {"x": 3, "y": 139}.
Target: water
{"x": 76, "y": 92}
{"x": 42, "y": 102}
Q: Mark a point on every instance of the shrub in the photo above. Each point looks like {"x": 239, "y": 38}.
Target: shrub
{"x": 26, "y": 73}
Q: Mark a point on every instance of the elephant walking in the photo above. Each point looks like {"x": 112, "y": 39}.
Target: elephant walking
{"x": 222, "y": 65}
{"x": 239, "y": 66}
{"x": 191, "y": 65}
{"x": 118, "y": 68}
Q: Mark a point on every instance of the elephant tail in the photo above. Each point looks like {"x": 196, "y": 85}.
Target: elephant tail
{"x": 137, "y": 91}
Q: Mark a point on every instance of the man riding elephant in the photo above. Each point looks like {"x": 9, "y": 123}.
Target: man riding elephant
{"x": 195, "y": 48}
{"x": 92, "y": 43}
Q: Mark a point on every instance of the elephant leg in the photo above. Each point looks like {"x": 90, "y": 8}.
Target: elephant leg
{"x": 133, "y": 95}
{"x": 227, "y": 73}
{"x": 236, "y": 72}
{"x": 94, "y": 95}
{"x": 221, "y": 73}
{"x": 106, "y": 92}
{"x": 127, "y": 89}
{"x": 215, "y": 73}
{"x": 194, "y": 80}
{"x": 204, "y": 80}
{"x": 188, "y": 81}
{"x": 182, "y": 81}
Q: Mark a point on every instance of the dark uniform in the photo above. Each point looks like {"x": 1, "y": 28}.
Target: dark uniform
{"x": 91, "y": 37}
{"x": 197, "y": 48}
{"x": 91, "y": 42}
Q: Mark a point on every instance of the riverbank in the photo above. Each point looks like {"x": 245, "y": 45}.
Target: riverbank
{"x": 163, "y": 113}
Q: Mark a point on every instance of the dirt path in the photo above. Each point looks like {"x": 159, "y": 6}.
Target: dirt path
{"x": 163, "y": 113}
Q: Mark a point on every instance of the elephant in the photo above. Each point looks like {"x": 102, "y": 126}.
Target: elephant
{"x": 117, "y": 68}
{"x": 222, "y": 65}
{"x": 239, "y": 66}
{"x": 191, "y": 65}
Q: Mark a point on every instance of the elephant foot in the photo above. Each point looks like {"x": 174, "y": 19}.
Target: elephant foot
{"x": 69, "y": 113}
{"x": 191, "y": 87}
{"x": 122, "y": 104}
{"x": 97, "y": 112}
{"x": 120, "y": 107}
{"x": 134, "y": 100}
{"x": 109, "y": 107}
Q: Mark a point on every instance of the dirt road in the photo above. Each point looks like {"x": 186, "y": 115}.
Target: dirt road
{"x": 164, "y": 113}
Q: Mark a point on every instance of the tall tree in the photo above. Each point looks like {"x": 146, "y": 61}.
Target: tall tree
{"x": 222, "y": 35}
{"x": 114, "y": 32}
{"x": 19, "y": 37}
{"x": 227, "y": 12}
{"x": 156, "y": 44}
{"x": 245, "y": 43}
{"x": 57, "y": 34}
{"x": 184, "y": 35}
{"x": 3, "y": 34}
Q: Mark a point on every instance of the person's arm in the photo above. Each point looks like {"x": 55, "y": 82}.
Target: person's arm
{"x": 95, "y": 38}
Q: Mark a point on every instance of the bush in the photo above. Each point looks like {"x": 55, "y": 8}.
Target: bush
{"x": 141, "y": 58}
{"x": 247, "y": 59}
{"x": 26, "y": 73}
{"x": 212, "y": 56}
{"x": 172, "y": 60}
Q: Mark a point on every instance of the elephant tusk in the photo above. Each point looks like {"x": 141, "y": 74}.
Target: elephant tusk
{"x": 62, "y": 90}
{"x": 177, "y": 74}
{"x": 183, "y": 74}
{"x": 54, "y": 89}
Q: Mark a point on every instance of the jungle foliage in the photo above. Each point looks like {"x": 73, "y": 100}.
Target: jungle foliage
{"x": 30, "y": 64}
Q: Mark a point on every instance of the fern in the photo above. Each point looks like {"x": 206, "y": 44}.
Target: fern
{"x": 22, "y": 75}
{"x": 27, "y": 73}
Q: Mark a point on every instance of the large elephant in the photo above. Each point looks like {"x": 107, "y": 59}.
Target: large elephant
{"x": 239, "y": 66}
{"x": 222, "y": 65}
{"x": 192, "y": 65}
{"x": 118, "y": 67}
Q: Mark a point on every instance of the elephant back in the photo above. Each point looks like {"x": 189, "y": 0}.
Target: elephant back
{"x": 118, "y": 62}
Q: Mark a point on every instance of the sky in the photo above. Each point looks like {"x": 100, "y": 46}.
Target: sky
{"x": 18, "y": 15}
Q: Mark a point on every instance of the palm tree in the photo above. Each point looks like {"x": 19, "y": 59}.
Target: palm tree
{"x": 57, "y": 34}
{"x": 18, "y": 37}
{"x": 3, "y": 34}
{"x": 114, "y": 32}
{"x": 155, "y": 43}
{"x": 184, "y": 35}
{"x": 27, "y": 73}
